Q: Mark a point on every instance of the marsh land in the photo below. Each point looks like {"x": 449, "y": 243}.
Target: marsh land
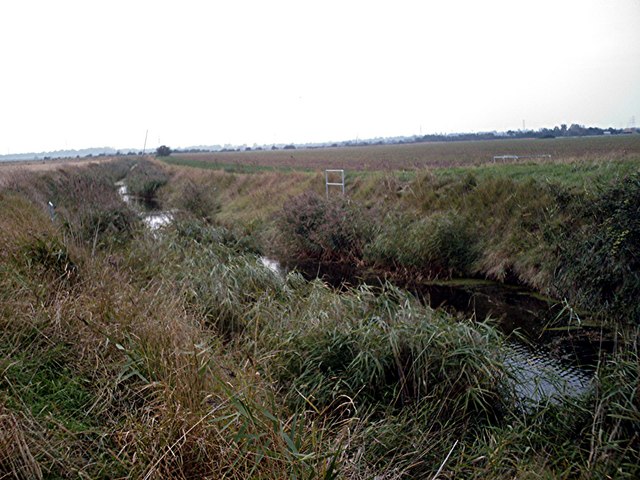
{"x": 131, "y": 352}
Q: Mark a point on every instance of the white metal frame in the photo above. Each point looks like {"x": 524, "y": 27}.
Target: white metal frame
{"x": 518, "y": 157}
{"x": 336, "y": 184}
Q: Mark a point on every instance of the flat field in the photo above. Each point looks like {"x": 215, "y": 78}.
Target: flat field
{"x": 7, "y": 169}
{"x": 418, "y": 155}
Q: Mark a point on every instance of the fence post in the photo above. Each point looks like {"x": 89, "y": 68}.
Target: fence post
{"x": 52, "y": 210}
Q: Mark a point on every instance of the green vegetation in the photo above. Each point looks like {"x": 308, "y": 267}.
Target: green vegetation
{"x": 571, "y": 174}
{"x": 145, "y": 178}
{"x": 126, "y": 354}
{"x": 187, "y": 161}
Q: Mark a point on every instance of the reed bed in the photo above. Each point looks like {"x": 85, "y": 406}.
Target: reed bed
{"x": 127, "y": 354}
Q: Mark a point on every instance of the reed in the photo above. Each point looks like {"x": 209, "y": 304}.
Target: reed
{"x": 180, "y": 356}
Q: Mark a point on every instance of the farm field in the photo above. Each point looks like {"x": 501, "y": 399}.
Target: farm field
{"x": 416, "y": 156}
{"x": 10, "y": 168}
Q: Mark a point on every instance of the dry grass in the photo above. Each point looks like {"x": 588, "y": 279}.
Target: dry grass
{"x": 16, "y": 459}
{"x": 127, "y": 368}
{"x": 9, "y": 168}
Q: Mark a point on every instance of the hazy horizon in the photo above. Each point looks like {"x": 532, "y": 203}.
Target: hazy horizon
{"x": 81, "y": 75}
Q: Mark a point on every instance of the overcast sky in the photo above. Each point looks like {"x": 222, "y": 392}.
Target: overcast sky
{"x": 78, "y": 74}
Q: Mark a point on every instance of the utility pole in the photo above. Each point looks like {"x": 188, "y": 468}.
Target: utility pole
{"x": 144, "y": 149}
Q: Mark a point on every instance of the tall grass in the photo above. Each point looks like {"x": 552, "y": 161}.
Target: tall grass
{"x": 180, "y": 356}
{"x": 85, "y": 202}
{"x": 145, "y": 178}
{"x": 313, "y": 231}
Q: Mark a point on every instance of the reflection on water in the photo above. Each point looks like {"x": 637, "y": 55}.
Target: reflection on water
{"x": 516, "y": 310}
{"x": 536, "y": 378}
{"x": 544, "y": 365}
{"x": 123, "y": 192}
{"x": 272, "y": 265}
{"x": 149, "y": 209}
{"x": 156, "y": 220}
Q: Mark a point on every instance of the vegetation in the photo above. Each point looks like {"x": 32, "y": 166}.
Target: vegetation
{"x": 163, "y": 151}
{"x": 131, "y": 354}
{"x": 417, "y": 156}
{"x": 145, "y": 178}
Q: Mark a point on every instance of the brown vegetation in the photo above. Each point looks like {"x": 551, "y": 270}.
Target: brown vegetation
{"x": 424, "y": 155}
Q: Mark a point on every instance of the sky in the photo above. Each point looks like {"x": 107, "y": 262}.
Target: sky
{"x": 78, "y": 74}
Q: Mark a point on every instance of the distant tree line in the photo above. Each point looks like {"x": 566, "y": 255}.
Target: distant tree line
{"x": 575, "y": 130}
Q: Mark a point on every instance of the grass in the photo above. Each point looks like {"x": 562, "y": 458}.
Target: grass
{"x": 180, "y": 356}
{"x": 580, "y": 174}
{"x": 186, "y": 161}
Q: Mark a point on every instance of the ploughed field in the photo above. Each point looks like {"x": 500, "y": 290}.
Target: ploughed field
{"x": 418, "y": 155}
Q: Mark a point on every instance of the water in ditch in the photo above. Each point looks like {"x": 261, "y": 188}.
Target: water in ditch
{"x": 148, "y": 209}
{"x": 551, "y": 350}
{"x": 546, "y": 365}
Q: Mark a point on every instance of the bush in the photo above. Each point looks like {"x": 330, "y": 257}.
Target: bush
{"x": 314, "y": 230}
{"x": 145, "y": 178}
{"x": 599, "y": 256}
{"x": 163, "y": 151}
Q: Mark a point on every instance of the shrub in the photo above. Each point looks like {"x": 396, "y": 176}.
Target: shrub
{"x": 145, "y": 178}
{"x": 163, "y": 151}
{"x": 314, "y": 230}
{"x": 599, "y": 255}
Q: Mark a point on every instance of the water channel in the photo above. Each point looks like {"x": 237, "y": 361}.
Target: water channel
{"x": 148, "y": 209}
{"x": 551, "y": 353}
{"x": 547, "y": 364}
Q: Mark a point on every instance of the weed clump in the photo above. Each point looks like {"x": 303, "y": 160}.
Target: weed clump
{"x": 196, "y": 199}
{"x": 50, "y": 257}
{"x": 314, "y": 231}
{"x": 145, "y": 178}
{"x": 395, "y": 353}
